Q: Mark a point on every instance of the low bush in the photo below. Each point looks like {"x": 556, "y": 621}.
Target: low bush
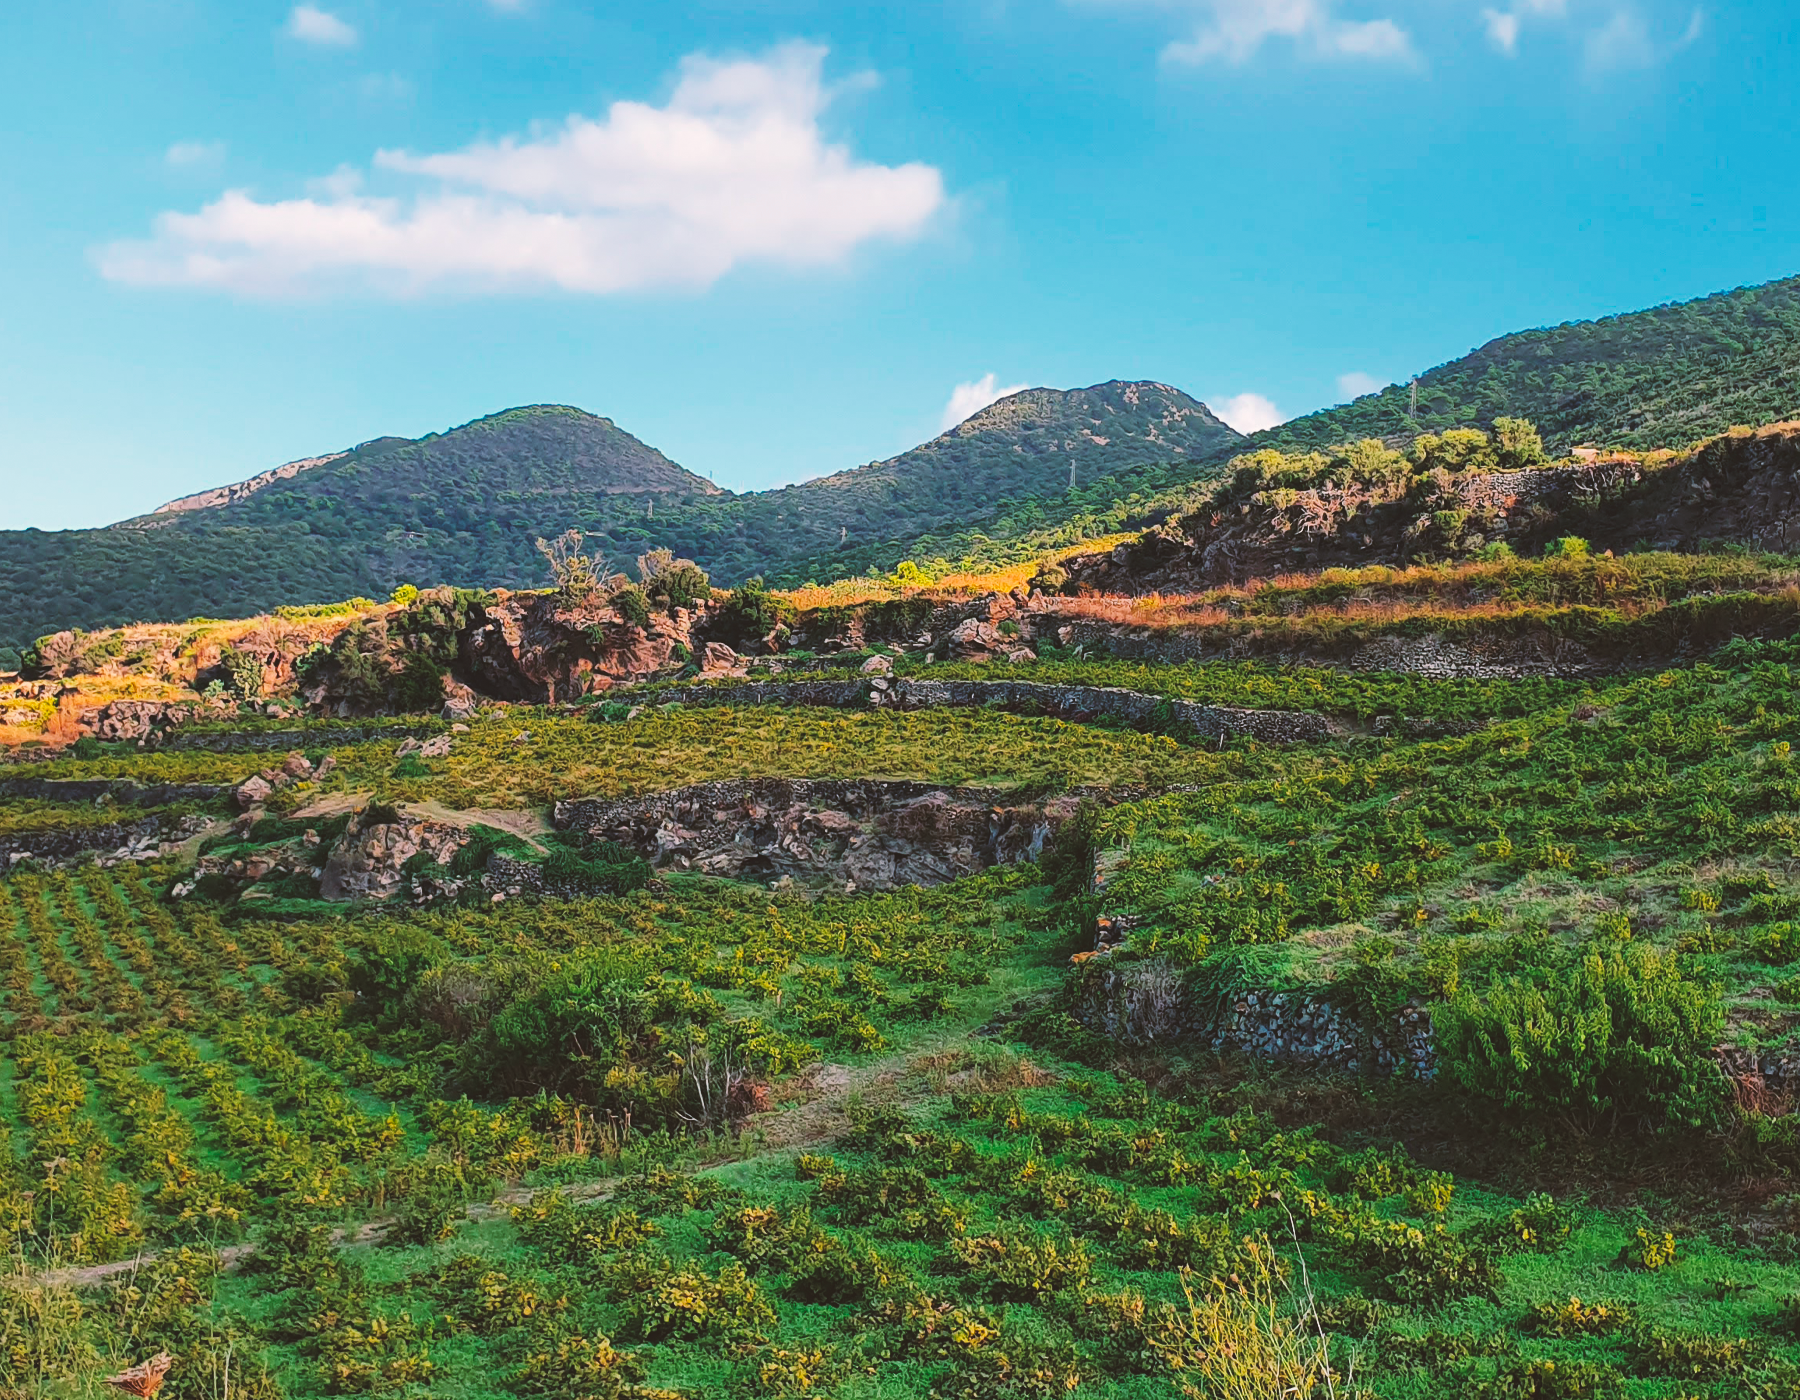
{"x": 1622, "y": 1034}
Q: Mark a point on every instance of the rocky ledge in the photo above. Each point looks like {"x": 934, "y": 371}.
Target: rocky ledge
{"x": 861, "y": 835}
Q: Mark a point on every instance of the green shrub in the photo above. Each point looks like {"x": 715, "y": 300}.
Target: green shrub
{"x": 661, "y": 1300}
{"x": 630, "y": 604}
{"x": 1553, "y": 1380}
{"x": 751, "y": 613}
{"x": 1578, "y": 1319}
{"x": 1693, "y": 1355}
{"x": 1624, "y": 1033}
{"x": 418, "y": 687}
{"x": 1016, "y": 1263}
{"x": 1540, "y": 1226}
{"x": 243, "y": 673}
{"x": 570, "y": 1234}
{"x": 605, "y": 867}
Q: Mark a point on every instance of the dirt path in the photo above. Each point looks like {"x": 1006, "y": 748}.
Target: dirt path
{"x": 526, "y": 823}
{"x": 813, "y": 1113}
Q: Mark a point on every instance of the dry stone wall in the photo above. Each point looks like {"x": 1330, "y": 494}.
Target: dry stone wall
{"x": 110, "y": 841}
{"x": 1070, "y": 702}
{"x": 117, "y": 789}
{"x": 1143, "y": 1002}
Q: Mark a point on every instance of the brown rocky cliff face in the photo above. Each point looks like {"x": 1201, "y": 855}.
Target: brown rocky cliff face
{"x": 549, "y": 648}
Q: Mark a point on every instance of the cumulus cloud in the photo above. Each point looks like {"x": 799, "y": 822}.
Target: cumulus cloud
{"x": 733, "y": 169}
{"x": 1249, "y": 413}
{"x": 189, "y": 154}
{"x": 1233, "y": 31}
{"x": 1355, "y": 384}
{"x": 311, "y": 25}
{"x": 966, "y": 400}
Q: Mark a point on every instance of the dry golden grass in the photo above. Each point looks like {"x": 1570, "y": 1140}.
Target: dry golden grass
{"x": 851, "y": 591}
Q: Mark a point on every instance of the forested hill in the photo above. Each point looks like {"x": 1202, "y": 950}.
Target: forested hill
{"x": 546, "y": 451}
{"x": 1017, "y": 452}
{"x": 465, "y": 506}
{"x": 1659, "y": 378}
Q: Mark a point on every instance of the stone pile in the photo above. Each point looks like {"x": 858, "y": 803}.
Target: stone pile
{"x": 369, "y": 859}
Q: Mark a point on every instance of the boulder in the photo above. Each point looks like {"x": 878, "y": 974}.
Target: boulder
{"x": 297, "y": 767}
{"x": 253, "y": 792}
{"x": 975, "y": 640}
{"x": 720, "y": 660}
{"x": 436, "y": 748}
{"x": 555, "y": 648}
{"x": 127, "y": 720}
{"x": 460, "y": 702}
{"x": 878, "y": 666}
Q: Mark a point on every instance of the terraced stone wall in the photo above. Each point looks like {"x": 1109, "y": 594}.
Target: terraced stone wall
{"x": 1070, "y": 702}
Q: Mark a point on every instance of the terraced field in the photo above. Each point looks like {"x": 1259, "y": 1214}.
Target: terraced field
{"x": 699, "y": 1137}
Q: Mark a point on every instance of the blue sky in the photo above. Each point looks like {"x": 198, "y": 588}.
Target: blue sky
{"x": 781, "y": 239}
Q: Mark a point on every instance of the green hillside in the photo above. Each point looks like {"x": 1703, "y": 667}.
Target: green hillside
{"x": 464, "y": 507}
{"x": 1658, "y": 378}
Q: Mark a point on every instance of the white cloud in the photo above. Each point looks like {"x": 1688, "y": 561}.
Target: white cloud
{"x": 1625, "y": 41}
{"x": 1355, "y": 384}
{"x": 1622, "y": 42}
{"x": 966, "y": 400}
{"x": 188, "y": 154}
{"x": 1249, "y": 413}
{"x": 1503, "y": 26}
{"x": 1235, "y": 30}
{"x": 1503, "y": 30}
{"x": 733, "y": 169}
{"x": 311, "y": 25}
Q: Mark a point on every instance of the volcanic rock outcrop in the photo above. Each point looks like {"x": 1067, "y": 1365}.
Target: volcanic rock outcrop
{"x": 866, "y": 835}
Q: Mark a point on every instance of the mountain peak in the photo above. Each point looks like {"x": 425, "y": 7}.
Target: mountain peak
{"x": 531, "y": 450}
{"x": 1135, "y": 410}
